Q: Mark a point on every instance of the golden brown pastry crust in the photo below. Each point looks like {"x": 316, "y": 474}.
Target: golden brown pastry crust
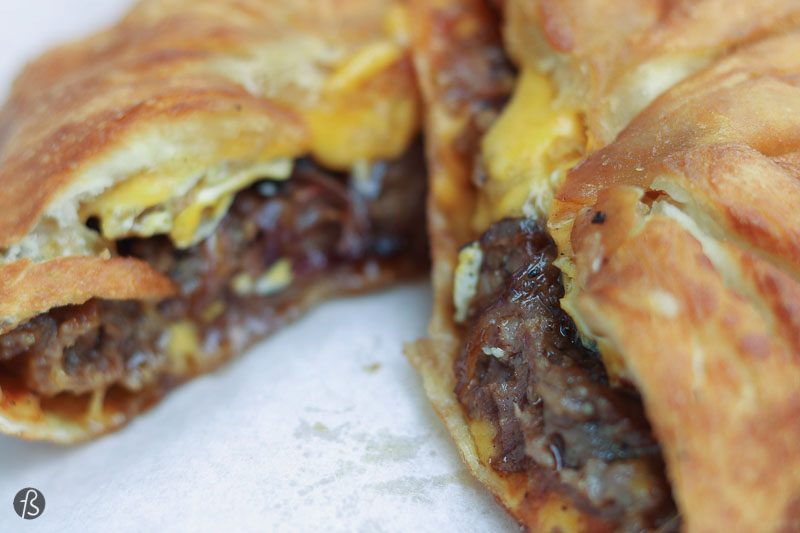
{"x": 448, "y": 124}
{"x": 69, "y": 419}
{"x": 214, "y": 82}
{"x": 29, "y": 288}
{"x": 582, "y": 81}
{"x": 460, "y": 72}
{"x": 690, "y": 285}
{"x": 175, "y": 88}
{"x": 703, "y": 320}
{"x": 613, "y": 58}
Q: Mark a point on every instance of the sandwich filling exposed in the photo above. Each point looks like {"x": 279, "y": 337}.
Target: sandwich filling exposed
{"x": 539, "y": 401}
{"x": 281, "y": 246}
{"x": 540, "y": 406}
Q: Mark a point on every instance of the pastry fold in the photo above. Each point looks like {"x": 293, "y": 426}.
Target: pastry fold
{"x": 181, "y": 183}
{"x": 690, "y": 285}
{"x": 615, "y": 263}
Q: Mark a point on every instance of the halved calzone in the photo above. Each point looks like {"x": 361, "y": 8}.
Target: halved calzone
{"x": 184, "y": 182}
{"x": 616, "y": 266}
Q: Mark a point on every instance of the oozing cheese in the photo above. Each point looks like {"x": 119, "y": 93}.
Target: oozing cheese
{"x": 363, "y": 65}
{"x": 186, "y": 207}
{"x": 186, "y": 199}
{"x": 528, "y": 151}
{"x": 183, "y": 343}
{"x": 483, "y": 433}
{"x": 275, "y": 279}
{"x": 349, "y": 124}
{"x": 345, "y": 130}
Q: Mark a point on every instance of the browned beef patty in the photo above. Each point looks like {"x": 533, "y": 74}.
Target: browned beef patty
{"x": 523, "y": 368}
{"x": 332, "y": 229}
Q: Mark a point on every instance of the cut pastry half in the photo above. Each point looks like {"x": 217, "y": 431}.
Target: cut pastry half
{"x": 616, "y": 269}
{"x": 184, "y": 182}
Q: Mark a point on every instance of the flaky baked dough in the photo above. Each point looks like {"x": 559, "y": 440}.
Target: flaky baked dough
{"x": 188, "y": 85}
{"x": 612, "y": 58}
{"x": 452, "y": 42}
{"x": 690, "y": 286}
{"x": 175, "y": 88}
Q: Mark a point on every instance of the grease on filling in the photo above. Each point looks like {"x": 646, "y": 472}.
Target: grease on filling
{"x": 280, "y": 246}
{"x": 540, "y": 402}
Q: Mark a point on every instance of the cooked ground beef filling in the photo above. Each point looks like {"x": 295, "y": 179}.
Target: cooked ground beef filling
{"x": 523, "y": 368}
{"x": 281, "y": 246}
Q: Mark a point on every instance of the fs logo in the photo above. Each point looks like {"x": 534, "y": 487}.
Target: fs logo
{"x": 29, "y": 503}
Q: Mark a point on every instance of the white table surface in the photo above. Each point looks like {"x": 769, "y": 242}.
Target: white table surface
{"x": 323, "y": 427}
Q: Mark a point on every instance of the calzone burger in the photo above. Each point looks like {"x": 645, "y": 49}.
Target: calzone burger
{"x": 615, "y": 225}
{"x": 184, "y": 182}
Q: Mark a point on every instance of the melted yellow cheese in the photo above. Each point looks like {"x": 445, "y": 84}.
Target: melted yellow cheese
{"x": 183, "y": 345}
{"x": 187, "y": 207}
{"x": 350, "y": 124}
{"x": 363, "y": 65}
{"x": 397, "y": 23}
{"x": 528, "y": 151}
{"x": 558, "y": 514}
{"x": 212, "y": 198}
{"x": 347, "y": 124}
{"x": 278, "y": 277}
{"x": 483, "y": 433}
